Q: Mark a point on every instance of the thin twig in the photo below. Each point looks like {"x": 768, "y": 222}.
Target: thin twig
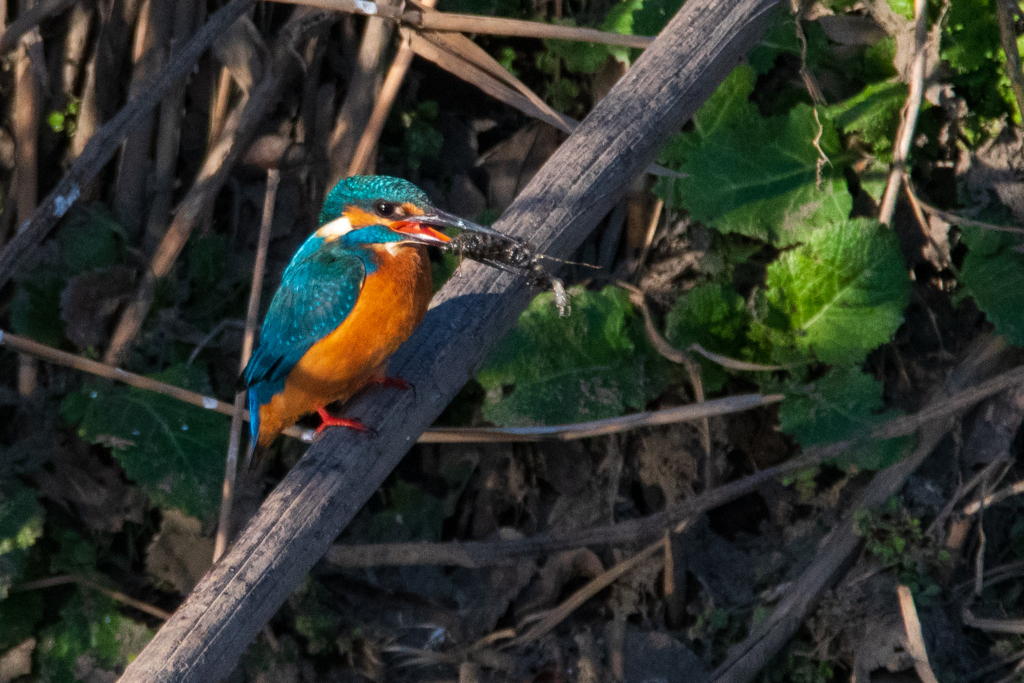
{"x": 567, "y": 432}
{"x": 994, "y": 625}
{"x": 238, "y": 415}
{"x": 471, "y": 23}
{"x": 988, "y": 501}
{"x": 70, "y": 360}
{"x": 555, "y": 616}
{"x": 905, "y": 135}
{"x": 915, "y": 639}
{"x": 957, "y": 219}
{"x": 89, "y": 583}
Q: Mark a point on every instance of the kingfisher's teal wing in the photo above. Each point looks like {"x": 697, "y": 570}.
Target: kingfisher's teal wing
{"x": 318, "y": 291}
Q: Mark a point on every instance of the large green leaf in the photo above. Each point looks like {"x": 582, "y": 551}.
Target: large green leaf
{"x": 757, "y": 176}
{"x": 714, "y": 316}
{"x": 596, "y": 363}
{"x": 873, "y": 114}
{"x": 993, "y": 275}
{"x": 174, "y": 450}
{"x": 21, "y": 523}
{"x": 844, "y": 404}
{"x": 843, "y": 292}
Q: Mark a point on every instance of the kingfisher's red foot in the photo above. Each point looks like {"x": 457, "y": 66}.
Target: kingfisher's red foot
{"x": 331, "y": 421}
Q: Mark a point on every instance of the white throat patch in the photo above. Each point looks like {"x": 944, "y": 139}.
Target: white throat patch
{"x": 335, "y": 229}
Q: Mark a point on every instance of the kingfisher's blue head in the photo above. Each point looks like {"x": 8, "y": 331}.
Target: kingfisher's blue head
{"x": 393, "y": 209}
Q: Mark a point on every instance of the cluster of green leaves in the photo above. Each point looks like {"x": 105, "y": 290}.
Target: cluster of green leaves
{"x": 836, "y": 289}
{"x": 894, "y": 537}
{"x": 66, "y": 120}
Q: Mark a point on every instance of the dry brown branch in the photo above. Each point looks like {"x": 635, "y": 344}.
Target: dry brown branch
{"x": 239, "y": 131}
{"x": 957, "y": 219}
{"x": 471, "y": 73}
{"x": 994, "y": 625}
{"x": 471, "y": 23}
{"x": 382, "y": 107}
{"x": 26, "y": 140}
{"x": 251, "y": 320}
{"x": 836, "y": 549}
{"x": 497, "y": 26}
{"x": 611, "y": 425}
{"x": 29, "y": 20}
{"x": 474, "y": 554}
{"x": 88, "y": 583}
{"x": 133, "y": 168}
{"x": 915, "y": 639}
{"x": 554, "y": 617}
{"x": 1007, "y": 11}
{"x": 167, "y": 140}
{"x": 911, "y": 109}
{"x": 102, "y": 146}
{"x": 359, "y": 97}
{"x": 989, "y": 500}
{"x": 577, "y": 187}
{"x": 463, "y": 47}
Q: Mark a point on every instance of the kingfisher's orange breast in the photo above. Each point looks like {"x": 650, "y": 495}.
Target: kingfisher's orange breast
{"x": 393, "y": 300}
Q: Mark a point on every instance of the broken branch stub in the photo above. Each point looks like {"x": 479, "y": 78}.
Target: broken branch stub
{"x": 589, "y": 173}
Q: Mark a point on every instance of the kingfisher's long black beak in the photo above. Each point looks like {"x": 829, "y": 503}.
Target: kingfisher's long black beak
{"x": 444, "y": 219}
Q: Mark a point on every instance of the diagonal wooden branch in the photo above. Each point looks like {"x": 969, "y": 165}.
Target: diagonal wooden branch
{"x": 588, "y": 174}
{"x": 105, "y": 142}
{"x": 27, "y": 21}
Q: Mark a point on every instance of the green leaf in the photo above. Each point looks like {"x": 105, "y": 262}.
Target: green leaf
{"x": 413, "y": 515}
{"x": 21, "y": 523}
{"x": 654, "y": 15}
{"x": 19, "y": 614}
{"x": 873, "y": 114}
{"x": 993, "y": 275}
{"x": 91, "y": 632}
{"x": 174, "y": 450}
{"x": 89, "y": 239}
{"x": 35, "y": 311}
{"x": 595, "y": 363}
{"x": 844, "y": 404}
{"x": 56, "y": 121}
{"x": 753, "y": 175}
{"x": 843, "y": 292}
{"x": 714, "y": 316}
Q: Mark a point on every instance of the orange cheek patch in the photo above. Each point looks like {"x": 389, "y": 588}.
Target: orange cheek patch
{"x": 411, "y": 209}
{"x": 360, "y": 218}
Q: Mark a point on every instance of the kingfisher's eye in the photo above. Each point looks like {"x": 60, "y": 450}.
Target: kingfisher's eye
{"x": 385, "y": 209}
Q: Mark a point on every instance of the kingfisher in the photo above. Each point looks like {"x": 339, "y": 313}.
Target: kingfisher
{"x": 351, "y": 295}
